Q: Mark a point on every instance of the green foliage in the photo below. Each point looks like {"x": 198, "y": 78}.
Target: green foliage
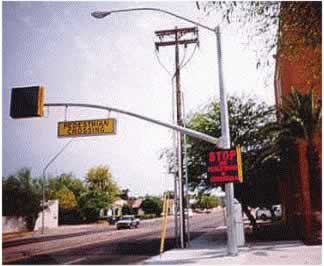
{"x": 148, "y": 216}
{"x": 21, "y": 196}
{"x": 66, "y": 198}
{"x": 257, "y": 23}
{"x": 90, "y": 203}
{"x": 267, "y": 26}
{"x": 301, "y": 114}
{"x": 306, "y": 16}
{"x": 208, "y": 202}
{"x": 67, "y": 189}
{"x": 300, "y": 119}
{"x": 126, "y": 210}
{"x": 103, "y": 190}
{"x": 246, "y": 117}
{"x": 100, "y": 179}
{"x": 152, "y": 205}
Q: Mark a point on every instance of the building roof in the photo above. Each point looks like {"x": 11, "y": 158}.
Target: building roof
{"x": 119, "y": 203}
{"x": 137, "y": 203}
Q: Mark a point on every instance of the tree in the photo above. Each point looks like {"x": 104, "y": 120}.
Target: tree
{"x": 261, "y": 17}
{"x": 258, "y": 23}
{"x": 300, "y": 117}
{"x": 90, "y": 204}
{"x": 152, "y": 205}
{"x": 66, "y": 198}
{"x": 22, "y": 196}
{"x": 299, "y": 122}
{"x": 103, "y": 190}
{"x": 208, "y": 202}
{"x": 100, "y": 179}
{"x": 246, "y": 118}
{"x": 124, "y": 194}
{"x": 66, "y": 181}
{"x": 127, "y": 210}
{"x": 262, "y": 23}
{"x": 67, "y": 189}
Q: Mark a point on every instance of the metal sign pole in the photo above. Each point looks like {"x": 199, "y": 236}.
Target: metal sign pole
{"x": 229, "y": 187}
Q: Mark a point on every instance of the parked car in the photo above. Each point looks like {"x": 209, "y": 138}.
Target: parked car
{"x": 277, "y": 210}
{"x": 127, "y": 221}
{"x": 265, "y": 214}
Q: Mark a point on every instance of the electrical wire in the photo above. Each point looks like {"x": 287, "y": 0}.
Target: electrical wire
{"x": 183, "y": 57}
{"x": 160, "y": 63}
{"x": 190, "y": 58}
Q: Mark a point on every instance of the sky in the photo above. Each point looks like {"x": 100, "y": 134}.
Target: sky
{"x": 111, "y": 62}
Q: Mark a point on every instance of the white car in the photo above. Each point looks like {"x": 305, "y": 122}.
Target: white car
{"x": 127, "y": 221}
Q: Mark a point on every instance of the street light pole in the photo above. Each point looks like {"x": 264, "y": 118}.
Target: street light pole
{"x": 44, "y": 179}
{"x": 226, "y": 138}
{"x": 229, "y": 188}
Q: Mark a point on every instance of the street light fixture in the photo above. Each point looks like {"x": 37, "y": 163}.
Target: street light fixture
{"x": 229, "y": 188}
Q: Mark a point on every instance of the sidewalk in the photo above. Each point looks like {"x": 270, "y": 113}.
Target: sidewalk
{"x": 211, "y": 249}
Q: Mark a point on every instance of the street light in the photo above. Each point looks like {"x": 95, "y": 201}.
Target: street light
{"x": 44, "y": 179}
{"x": 229, "y": 188}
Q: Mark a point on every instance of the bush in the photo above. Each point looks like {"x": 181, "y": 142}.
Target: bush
{"x": 152, "y": 205}
{"x": 69, "y": 216}
{"x": 21, "y": 197}
{"x": 90, "y": 204}
{"x": 208, "y": 202}
{"x": 126, "y": 210}
{"x": 148, "y": 216}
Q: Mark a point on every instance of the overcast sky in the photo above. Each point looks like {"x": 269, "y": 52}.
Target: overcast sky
{"x": 110, "y": 62}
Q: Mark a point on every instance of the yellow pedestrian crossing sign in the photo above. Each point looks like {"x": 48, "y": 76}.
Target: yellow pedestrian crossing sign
{"x": 85, "y": 128}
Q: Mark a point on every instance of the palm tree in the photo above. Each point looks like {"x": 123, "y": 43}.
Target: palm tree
{"x": 299, "y": 121}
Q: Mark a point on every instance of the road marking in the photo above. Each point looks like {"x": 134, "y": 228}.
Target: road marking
{"x": 76, "y": 260}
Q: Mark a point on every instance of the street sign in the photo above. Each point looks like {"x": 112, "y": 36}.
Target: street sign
{"x": 85, "y": 128}
{"x": 225, "y": 166}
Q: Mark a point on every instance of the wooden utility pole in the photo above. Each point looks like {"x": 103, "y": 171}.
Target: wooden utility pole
{"x": 175, "y": 38}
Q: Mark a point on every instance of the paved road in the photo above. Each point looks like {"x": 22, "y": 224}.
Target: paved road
{"x": 101, "y": 244}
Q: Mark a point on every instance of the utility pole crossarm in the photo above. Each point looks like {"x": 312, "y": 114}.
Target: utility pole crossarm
{"x": 183, "y": 130}
{"x": 168, "y": 43}
{"x": 174, "y": 31}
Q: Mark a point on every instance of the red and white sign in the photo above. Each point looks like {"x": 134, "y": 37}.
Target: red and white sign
{"x": 225, "y": 166}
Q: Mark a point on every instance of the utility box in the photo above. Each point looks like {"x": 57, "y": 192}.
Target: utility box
{"x": 238, "y": 217}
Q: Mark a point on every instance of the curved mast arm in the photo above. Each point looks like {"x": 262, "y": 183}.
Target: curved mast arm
{"x": 183, "y": 130}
